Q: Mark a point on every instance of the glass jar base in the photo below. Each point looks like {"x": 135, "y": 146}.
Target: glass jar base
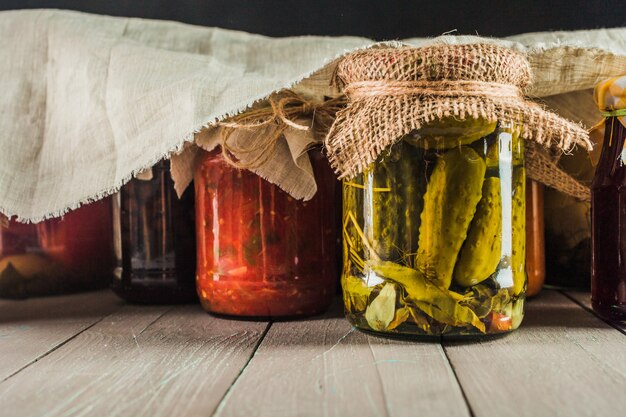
{"x": 264, "y": 299}
{"x": 608, "y": 311}
{"x": 408, "y": 331}
{"x": 154, "y": 291}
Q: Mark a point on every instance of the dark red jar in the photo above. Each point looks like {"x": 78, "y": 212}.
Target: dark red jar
{"x": 67, "y": 254}
{"x": 262, "y": 253}
{"x": 608, "y": 226}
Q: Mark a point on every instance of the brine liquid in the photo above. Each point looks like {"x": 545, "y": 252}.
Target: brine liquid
{"x": 608, "y": 220}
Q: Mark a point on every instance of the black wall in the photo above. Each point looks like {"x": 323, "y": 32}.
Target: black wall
{"x": 378, "y": 19}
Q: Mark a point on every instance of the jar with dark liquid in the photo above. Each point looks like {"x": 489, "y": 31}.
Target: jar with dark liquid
{"x": 608, "y": 224}
{"x": 154, "y": 240}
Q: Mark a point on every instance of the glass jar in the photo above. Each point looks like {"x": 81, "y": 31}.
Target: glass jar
{"x": 68, "y": 254}
{"x": 434, "y": 233}
{"x": 608, "y": 226}
{"x": 567, "y": 228}
{"x": 154, "y": 240}
{"x": 261, "y": 253}
{"x": 535, "y": 246}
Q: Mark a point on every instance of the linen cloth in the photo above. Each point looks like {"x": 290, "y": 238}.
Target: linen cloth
{"x": 88, "y": 101}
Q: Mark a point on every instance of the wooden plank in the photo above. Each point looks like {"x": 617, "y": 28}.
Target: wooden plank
{"x": 31, "y": 328}
{"x": 325, "y": 367}
{"x": 584, "y": 299}
{"x": 563, "y": 361}
{"x": 138, "y": 363}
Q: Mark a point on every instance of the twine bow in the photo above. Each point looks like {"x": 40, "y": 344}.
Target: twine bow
{"x": 284, "y": 109}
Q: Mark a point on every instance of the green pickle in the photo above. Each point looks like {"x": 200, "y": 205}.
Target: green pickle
{"x": 434, "y": 233}
{"x": 484, "y": 240}
{"x": 449, "y": 133}
{"x": 450, "y": 202}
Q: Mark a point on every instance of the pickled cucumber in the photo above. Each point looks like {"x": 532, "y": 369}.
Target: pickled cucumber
{"x": 452, "y": 194}
{"x": 481, "y": 252}
{"x": 506, "y": 144}
{"x": 410, "y": 191}
{"x": 381, "y": 205}
{"x": 449, "y": 132}
{"x": 518, "y": 255}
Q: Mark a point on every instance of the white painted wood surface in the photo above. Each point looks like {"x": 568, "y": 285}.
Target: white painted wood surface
{"x": 90, "y": 355}
{"x": 140, "y": 361}
{"x": 562, "y": 361}
{"x": 30, "y": 329}
{"x": 584, "y": 299}
{"x": 324, "y": 367}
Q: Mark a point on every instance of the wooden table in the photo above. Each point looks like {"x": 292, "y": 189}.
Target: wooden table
{"x": 93, "y": 355}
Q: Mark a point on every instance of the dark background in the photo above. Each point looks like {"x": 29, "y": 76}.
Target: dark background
{"x": 378, "y": 19}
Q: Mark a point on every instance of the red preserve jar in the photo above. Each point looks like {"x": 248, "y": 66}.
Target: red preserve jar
{"x": 608, "y": 226}
{"x": 67, "y": 254}
{"x": 262, "y": 253}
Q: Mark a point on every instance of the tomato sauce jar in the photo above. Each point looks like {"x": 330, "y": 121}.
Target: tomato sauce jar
{"x": 260, "y": 252}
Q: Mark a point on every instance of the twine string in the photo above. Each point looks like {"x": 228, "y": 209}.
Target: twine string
{"x": 283, "y": 109}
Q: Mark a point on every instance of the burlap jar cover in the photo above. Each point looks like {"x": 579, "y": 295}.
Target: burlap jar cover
{"x": 394, "y": 91}
{"x": 272, "y": 139}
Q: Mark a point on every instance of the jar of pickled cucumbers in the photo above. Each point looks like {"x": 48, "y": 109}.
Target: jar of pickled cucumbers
{"x": 431, "y": 147}
{"x": 434, "y": 233}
